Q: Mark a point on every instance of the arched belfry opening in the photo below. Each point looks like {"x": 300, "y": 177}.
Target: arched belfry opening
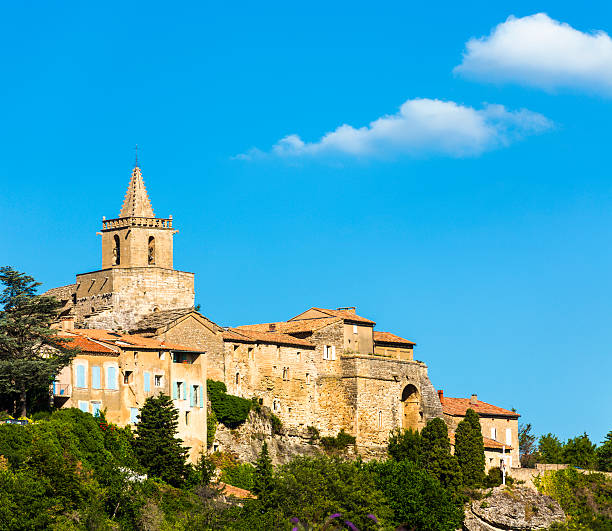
{"x": 151, "y": 250}
{"x": 411, "y": 408}
{"x": 116, "y": 250}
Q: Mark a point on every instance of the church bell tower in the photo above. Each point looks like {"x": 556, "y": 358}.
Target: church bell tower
{"x": 137, "y": 238}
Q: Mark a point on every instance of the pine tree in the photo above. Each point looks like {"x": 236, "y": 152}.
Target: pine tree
{"x": 405, "y": 444}
{"x": 435, "y": 454}
{"x": 31, "y": 352}
{"x": 469, "y": 450}
{"x": 263, "y": 480}
{"x": 158, "y": 449}
{"x": 604, "y": 454}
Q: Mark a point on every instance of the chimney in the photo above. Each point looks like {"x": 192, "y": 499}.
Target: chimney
{"x": 441, "y": 395}
{"x": 474, "y": 399}
{"x": 349, "y": 309}
{"x": 272, "y": 327}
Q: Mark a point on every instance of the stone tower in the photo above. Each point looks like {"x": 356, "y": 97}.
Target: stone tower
{"x": 137, "y": 275}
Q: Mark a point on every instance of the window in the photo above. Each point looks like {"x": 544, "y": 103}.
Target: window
{"x": 193, "y": 398}
{"x": 380, "y": 419}
{"x": 95, "y": 408}
{"x": 354, "y": 329}
{"x": 162, "y": 356}
{"x": 508, "y": 436}
{"x": 276, "y": 405}
{"x": 151, "y": 250}
{"x": 178, "y": 393}
{"x": 285, "y": 373}
{"x": 299, "y": 356}
{"x": 235, "y": 348}
{"x": 111, "y": 377}
{"x": 329, "y": 352}
{"x": 127, "y": 377}
{"x": 95, "y": 377}
{"x": 84, "y": 406}
{"x": 158, "y": 380}
{"x": 133, "y": 415}
{"x": 307, "y": 378}
{"x": 251, "y": 353}
{"x": 278, "y": 350}
{"x": 80, "y": 373}
{"x": 135, "y": 355}
{"x": 494, "y": 433}
{"x": 186, "y": 418}
{"x": 116, "y": 250}
{"x": 147, "y": 382}
{"x": 237, "y": 378}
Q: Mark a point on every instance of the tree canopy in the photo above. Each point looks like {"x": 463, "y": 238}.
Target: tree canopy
{"x": 469, "y": 449}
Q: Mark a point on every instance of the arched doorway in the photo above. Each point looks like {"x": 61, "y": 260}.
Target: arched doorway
{"x": 411, "y": 406}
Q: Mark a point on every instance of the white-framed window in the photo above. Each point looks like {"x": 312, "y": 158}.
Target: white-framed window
{"x": 186, "y": 418}
{"x": 494, "y": 434}
{"x": 508, "y": 436}
{"x": 354, "y": 329}
{"x": 96, "y": 407}
{"x": 133, "y": 415}
{"x": 159, "y": 380}
{"x": 84, "y": 406}
{"x": 178, "y": 393}
{"x": 329, "y": 352}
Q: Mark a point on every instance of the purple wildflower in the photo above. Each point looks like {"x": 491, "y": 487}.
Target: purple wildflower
{"x": 372, "y": 517}
{"x": 351, "y": 525}
{"x": 335, "y": 515}
{"x": 294, "y": 520}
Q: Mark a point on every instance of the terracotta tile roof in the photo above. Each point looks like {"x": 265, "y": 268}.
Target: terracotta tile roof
{"x": 255, "y": 336}
{"x": 458, "y": 407}
{"x": 292, "y": 327}
{"x": 156, "y": 320}
{"x": 61, "y": 293}
{"x": 129, "y": 340}
{"x": 344, "y": 314}
{"x": 87, "y": 345}
{"x": 237, "y": 492}
{"x": 488, "y": 443}
{"x": 387, "y": 337}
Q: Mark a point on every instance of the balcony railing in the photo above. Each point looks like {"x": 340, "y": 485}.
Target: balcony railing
{"x": 159, "y": 223}
{"x": 62, "y": 390}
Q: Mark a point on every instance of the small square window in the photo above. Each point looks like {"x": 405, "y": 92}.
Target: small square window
{"x": 127, "y": 377}
{"x": 158, "y": 380}
{"x": 186, "y": 418}
{"x": 354, "y": 329}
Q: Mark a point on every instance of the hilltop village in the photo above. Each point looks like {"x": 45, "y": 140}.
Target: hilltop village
{"x": 330, "y": 369}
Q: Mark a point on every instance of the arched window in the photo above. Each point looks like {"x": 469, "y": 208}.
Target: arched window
{"x": 151, "y": 250}
{"x": 116, "y": 250}
{"x": 237, "y": 378}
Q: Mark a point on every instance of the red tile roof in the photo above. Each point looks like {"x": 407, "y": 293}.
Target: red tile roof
{"x": 86, "y": 345}
{"x": 344, "y": 314}
{"x": 292, "y": 327}
{"x": 458, "y": 406}
{"x": 129, "y": 340}
{"x": 488, "y": 443}
{"x": 387, "y": 337}
{"x": 237, "y": 492}
{"x": 255, "y": 336}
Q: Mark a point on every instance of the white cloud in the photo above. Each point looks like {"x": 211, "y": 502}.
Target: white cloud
{"x": 421, "y": 127}
{"x": 542, "y": 52}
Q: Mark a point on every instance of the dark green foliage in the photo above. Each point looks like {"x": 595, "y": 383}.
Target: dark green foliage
{"x": 405, "y": 444}
{"x": 277, "y": 425}
{"x": 436, "y": 457}
{"x": 229, "y": 409}
{"x": 585, "y": 498}
{"x": 262, "y": 479}
{"x": 338, "y": 443}
{"x": 313, "y": 433}
{"x": 25, "y": 334}
{"x": 604, "y": 454}
{"x": 550, "y": 449}
{"x": 157, "y": 447}
{"x": 527, "y": 446}
{"x": 579, "y": 451}
{"x": 493, "y": 478}
{"x": 204, "y": 470}
{"x": 469, "y": 450}
{"x": 417, "y": 500}
{"x": 240, "y": 475}
{"x": 211, "y": 428}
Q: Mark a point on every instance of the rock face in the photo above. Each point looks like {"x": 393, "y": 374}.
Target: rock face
{"x": 246, "y": 440}
{"x": 512, "y": 509}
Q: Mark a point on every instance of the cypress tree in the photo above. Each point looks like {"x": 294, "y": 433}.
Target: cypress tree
{"x": 405, "y": 444}
{"x": 263, "y": 478}
{"x": 435, "y": 454}
{"x": 469, "y": 450}
{"x": 158, "y": 449}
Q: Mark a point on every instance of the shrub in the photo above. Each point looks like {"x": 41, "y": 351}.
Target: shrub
{"x": 339, "y": 442}
{"x": 277, "y": 425}
{"x": 493, "y": 478}
{"x": 211, "y": 428}
{"x": 313, "y": 433}
{"x": 229, "y": 409}
{"x": 405, "y": 444}
{"x": 239, "y": 475}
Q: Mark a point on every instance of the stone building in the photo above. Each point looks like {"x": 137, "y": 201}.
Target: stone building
{"x": 499, "y": 428}
{"x": 115, "y": 373}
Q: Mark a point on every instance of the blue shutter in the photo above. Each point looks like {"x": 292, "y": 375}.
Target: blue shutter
{"x": 201, "y": 395}
{"x": 147, "y": 382}
{"x": 175, "y": 390}
{"x": 133, "y": 415}
{"x": 95, "y": 377}
{"x": 111, "y": 378}
{"x": 80, "y": 376}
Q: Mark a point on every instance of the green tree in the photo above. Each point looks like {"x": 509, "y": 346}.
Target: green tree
{"x": 417, "y": 499}
{"x": 435, "y": 454}
{"x": 264, "y": 475}
{"x": 527, "y": 446}
{"x": 157, "y": 447}
{"x": 579, "y": 451}
{"x": 550, "y": 449}
{"x": 469, "y": 450}
{"x": 604, "y": 454}
{"x": 405, "y": 444}
{"x": 31, "y": 352}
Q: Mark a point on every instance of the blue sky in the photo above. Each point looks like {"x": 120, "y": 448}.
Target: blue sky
{"x": 481, "y": 232}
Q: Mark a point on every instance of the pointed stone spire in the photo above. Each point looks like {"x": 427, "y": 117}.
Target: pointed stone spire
{"x": 136, "y": 202}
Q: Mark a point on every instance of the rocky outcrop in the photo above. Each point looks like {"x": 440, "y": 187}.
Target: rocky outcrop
{"x": 518, "y": 508}
{"x": 246, "y": 440}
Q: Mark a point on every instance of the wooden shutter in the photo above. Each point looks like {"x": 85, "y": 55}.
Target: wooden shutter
{"x": 147, "y": 382}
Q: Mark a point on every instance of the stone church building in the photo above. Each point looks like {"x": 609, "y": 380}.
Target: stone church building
{"x": 326, "y": 368}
